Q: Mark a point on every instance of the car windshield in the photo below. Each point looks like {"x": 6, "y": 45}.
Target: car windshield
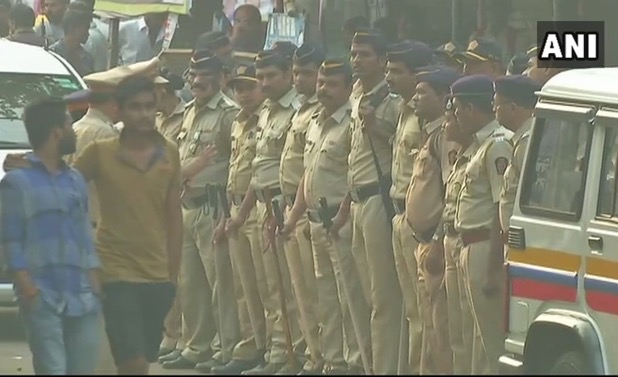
{"x": 16, "y": 91}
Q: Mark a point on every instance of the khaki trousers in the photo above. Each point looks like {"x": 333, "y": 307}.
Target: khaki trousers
{"x": 461, "y": 322}
{"x": 333, "y": 263}
{"x": 437, "y": 351}
{"x": 249, "y": 276}
{"x": 210, "y": 315}
{"x": 277, "y": 352}
{"x": 372, "y": 250}
{"x": 299, "y": 256}
{"x": 487, "y": 311}
{"x": 404, "y": 246}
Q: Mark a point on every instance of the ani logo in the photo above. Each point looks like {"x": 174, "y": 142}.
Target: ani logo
{"x": 571, "y": 44}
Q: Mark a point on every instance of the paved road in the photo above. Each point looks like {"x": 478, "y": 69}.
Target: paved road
{"x": 15, "y": 358}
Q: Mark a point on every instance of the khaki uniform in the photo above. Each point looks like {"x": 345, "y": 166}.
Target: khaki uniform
{"x": 273, "y": 124}
{"x": 169, "y": 126}
{"x": 474, "y": 216}
{"x": 513, "y": 172}
{"x": 298, "y": 248}
{"x": 424, "y": 206}
{"x": 95, "y": 126}
{"x": 460, "y": 320}
{"x": 245, "y": 248}
{"x": 206, "y": 280}
{"x": 371, "y": 235}
{"x": 405, "y": 144}
{"x": 325, "y": 157}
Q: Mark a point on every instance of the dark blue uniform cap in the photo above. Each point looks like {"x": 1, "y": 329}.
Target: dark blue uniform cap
{"x": 414, "y": 53}
{"x": 518, "y": 64}
{"x": 77, "y": 100}
{"x": 368, "y": 36}
{"x": 205, "y": 60}
{"x": 481, "y": 49}
{"x": 309, "y": 53}
{"x": 473, "y": 85}
{"x": 271, "y": 58}
{"x": 243, "y": 73}
{"x": 439, "y": 78}
{"x": 284, "y": 48}
{"x": 532, "y": 51}
{"x": 518, "y": 88}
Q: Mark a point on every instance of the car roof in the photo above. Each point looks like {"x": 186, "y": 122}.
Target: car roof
{"x": 23, "y": 58}
{"x": 597, "y": 85}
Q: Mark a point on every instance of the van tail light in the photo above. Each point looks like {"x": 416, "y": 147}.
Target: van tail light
{"x": 507, "y": 298}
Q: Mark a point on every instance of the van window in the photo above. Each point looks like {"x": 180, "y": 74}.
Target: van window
{"x": 555, "y": 173}
{"x": 16, "y": 91}
{"x": 608, "y": 200}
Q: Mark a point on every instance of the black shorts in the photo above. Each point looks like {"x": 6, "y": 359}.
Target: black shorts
{"x": 134, "y": 315}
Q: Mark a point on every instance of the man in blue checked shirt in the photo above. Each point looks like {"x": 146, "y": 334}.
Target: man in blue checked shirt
{"x": 46, "y": 236}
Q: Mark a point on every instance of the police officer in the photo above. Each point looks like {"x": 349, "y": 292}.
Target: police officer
{"x": 404, "y": 59}
{"x": 448, "y": 55}
{"x": 206, "y": 275}
{"x": 244, "y": 244}
{"x": 514, "y": 102}
{"x": 543, "y": 73}
{"x": 171, "y": 107}
{"x": 483, "y": 56}
{"x": 274, "y": 72}
{"x": 476, "y": 217}
{"x": 339, "y": 291}
{"x": 461, "y": 322}
{"x": 305, "y": 63}
{"x": 374, "y": 121}
{"x": 424, "y": 205}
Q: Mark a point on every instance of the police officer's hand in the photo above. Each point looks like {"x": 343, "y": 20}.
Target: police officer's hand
{"x": 201, "y": 161}
{"x": 269, "y": 230}
{"x": 338, "y": 222}
{"x": 15, "y": 161}
{"x": 288, "y": 229}
{"x": 491, "y": 285}
{"x": 434, "y": 262}
{"x": 219, "y": 233}
{"x": 232, "y": 225}
{"x": 367, "y": 114}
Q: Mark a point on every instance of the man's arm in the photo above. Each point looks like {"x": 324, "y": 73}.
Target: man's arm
{"x": 87, "y": 162}
{"x": 173, "y": 217}
{"x": 12, "y": 235}
{"x": 93, "y": 261}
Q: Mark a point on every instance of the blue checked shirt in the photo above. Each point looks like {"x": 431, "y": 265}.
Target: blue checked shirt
{"x": 45, "y": 229}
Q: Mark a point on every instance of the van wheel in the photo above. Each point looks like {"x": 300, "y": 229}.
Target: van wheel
{"x": 570, "y": 363}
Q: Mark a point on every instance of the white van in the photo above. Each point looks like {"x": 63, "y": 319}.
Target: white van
{"x": 26, "y": 73}
{"x": 562, "y": 260}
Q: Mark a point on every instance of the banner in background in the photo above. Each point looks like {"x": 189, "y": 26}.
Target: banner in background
{"x": 282, "y": 27}
{"x": 132, "y": 8}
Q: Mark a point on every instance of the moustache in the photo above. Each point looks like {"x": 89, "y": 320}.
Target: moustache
{"x": 199, "y": 86}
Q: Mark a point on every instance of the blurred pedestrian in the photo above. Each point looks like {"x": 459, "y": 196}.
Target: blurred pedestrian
{"x": 75, "y": 27}
{"x": 21, "y": 21}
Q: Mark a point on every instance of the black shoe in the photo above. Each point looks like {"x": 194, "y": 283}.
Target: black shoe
{"x": 164, "y": 351}
{"x": 206, "y": 366}
{"x": 179, "y": 363}
{"x": 267, "y": 369}
{"x": 170, "y": 356}
{"x": 235, "y": 367}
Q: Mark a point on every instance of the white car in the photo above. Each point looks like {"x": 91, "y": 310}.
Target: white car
{"x": 26, "y": 73}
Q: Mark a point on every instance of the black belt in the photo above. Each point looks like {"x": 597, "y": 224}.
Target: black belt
{"x": 195, "y": 202}
{"x": 359, "y": 195}
{"x": 449, "y": 229}
{"x": 289, "y": 200}
{"x": 237, "y": 199}
{"x": 424, "y": 237}
{"x": 399, "y": 205}
{"x": 316, "y": 216}
{"x": 261, "y": 195}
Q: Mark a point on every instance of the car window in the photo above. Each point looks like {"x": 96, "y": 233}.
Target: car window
{"x": 554, "y": 180}
{"x": 17, "y": 90}
{"x": 608, "y": 191}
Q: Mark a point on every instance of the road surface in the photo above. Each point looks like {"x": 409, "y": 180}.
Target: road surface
{"x": 15, "y": 358}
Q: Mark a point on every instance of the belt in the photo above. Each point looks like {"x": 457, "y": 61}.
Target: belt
{"x": 261, "y": 195}
{"x": 469, "y": 237}
{"x": 195, "y": 202}
{"x": 359, "y": 195}
{"x": 289, "y": 200}
{"x": 237, "y": 199}
{"x": 316, "y": 216}
{"x": 399, "y": 205}
{"x": 449, "y": 229}
{"x": 424, "y": 237}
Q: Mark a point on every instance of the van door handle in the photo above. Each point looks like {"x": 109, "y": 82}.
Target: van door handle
{"x": 596, "y": 244}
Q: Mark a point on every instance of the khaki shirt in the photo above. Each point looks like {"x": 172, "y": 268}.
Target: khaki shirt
{"x": 362, "y": 169}
{"x": 93, "y": 126}
{"x": 490, "y": 155}
{"x": 208, "y": 125}
{"x": 274, "y": 123}
{"x": 512, "y": 173}
{"x": 406, "y": 143}
{"x": 326, "y": 155}
{"x": 243, "y": 151}
{"x": 169, "y": 126}
{"x": 292, "y": 169}
{"x": 453, "y": 187}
